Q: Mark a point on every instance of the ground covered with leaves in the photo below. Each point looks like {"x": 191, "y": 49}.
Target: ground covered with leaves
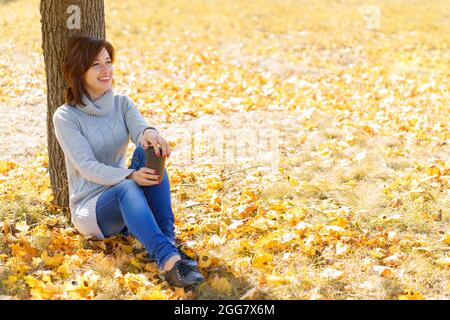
{"x": 359, "y": 207}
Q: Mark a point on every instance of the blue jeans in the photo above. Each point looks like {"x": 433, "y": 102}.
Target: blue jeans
{"x": 142, "y": 211}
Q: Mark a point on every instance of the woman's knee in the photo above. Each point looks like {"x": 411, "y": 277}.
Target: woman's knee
{"x": 130, "y": 186}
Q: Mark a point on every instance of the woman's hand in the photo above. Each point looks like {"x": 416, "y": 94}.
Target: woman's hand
{"x": 151, "y": 138}
{"x": 145, "y": 177}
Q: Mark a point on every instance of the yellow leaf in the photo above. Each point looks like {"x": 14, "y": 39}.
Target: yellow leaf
{"x": 6, "y": 227}
{"x": 295, "y": 215}
{"x": 22, "y": 226}
{"x": 262, "y": 223}
{"x": 411, "y": 295}
{"x": 11, "y": 280}
{"x": 393, "y": 260}
{"x": 6, "y": 166}
{"x": 64, "y": 269}
{"x": 433, "y": 171}
{"x": 31, "y": 281}
{"x": 302, "y": 228}
{"x": 83, "y": 287}
{"x": 215, "y": 241}
{"x": 377, "y": 253}
{"x": 135, "y": 281}
{"x": 36, "y": 261}
{"x": 126, "y": 248}
{"x": 24, "y": 251}
{"x": 215, "y": 185}
{"x": 383, "y": 271}
{"x": 446, "y": 238}
{"x": 268, "y": 241}
{"x": 54, "y": 261}
{"x": 250, "y": 195}
{"x": 244, "y": 246}
{"x": 40, "y": 290}
{"x": 204, "y": 259}
{"x": 332, "y": 231}
{"x": 277, "y": 205}
{"x": 99, "y": 244}
{"x": 262, "y": 260}
{"x": 274, "y": 280}
{"x": 151, "y": 294}
{"x": 340, "y": 222}
{"x": 47, "y": 196}
{"x": 136, "y": 263}
{"x": 216, "y": 203}
{"x": 292, "y": 181}
{"x": 51, "y": 222}
{"x": 445, "y": 262}
{"x": 178, "y": 293}
{"x": 118, "y": 276}
{"x": 151, "y": 267}
{"x": 246, "y": 209}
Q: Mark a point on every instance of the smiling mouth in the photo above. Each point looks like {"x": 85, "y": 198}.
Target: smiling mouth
{"x": 104, "y": 79}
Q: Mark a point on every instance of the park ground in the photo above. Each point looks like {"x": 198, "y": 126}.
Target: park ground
{"x": 357, "y": 97}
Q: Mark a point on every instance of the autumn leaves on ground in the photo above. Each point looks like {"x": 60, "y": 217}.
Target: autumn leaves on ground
{"x": 359, "y": 207}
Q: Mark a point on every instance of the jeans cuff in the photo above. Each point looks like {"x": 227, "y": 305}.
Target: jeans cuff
{"x": 163, "y": 262}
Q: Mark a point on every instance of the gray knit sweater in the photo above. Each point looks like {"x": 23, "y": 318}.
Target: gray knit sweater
{"x": 94, "y": 139}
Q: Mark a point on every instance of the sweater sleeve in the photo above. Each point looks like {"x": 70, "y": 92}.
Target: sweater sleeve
{"x": 78, "y": 150}
{"x": 135, "y": 122}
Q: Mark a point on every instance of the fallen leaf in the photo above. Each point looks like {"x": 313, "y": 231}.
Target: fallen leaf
{"x": 262, "y": 260}
{"x": 52, "y": 261}
{"x": 383, "y": 271}
{"x": 411, "y": 295}
{"x": 221, "y": 285}
{"x": 393, "y": 260}
{"x": 204, "y": 259}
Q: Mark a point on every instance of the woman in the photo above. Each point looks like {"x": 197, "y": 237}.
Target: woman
{"x": 93, "y": 129}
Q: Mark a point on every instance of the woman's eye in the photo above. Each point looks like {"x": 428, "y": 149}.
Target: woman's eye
{"x": 97, "y": 64}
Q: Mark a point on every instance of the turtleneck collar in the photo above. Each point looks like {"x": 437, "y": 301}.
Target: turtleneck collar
{"x": 99, "y": 107}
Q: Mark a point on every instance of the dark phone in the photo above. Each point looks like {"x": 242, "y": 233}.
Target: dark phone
{"x": 154, "y": 162}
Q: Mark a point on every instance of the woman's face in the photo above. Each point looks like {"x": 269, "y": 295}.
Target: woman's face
{"x": 98, "y": 78}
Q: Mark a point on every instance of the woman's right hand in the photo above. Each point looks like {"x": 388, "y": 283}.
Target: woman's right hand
{"x": 145, "y": 177}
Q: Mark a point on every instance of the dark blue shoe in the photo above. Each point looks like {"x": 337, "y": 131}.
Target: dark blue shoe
{"x": 125, "y": 232}
{"x": 183, "y": 255}
{"x": 193, "y": 263}
{"x": 183, "y": 275}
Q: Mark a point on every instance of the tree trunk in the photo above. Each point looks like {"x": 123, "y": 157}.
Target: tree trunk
{"x": 60, "y": 21}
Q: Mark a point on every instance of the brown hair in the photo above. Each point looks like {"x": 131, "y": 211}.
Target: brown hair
{"x": 80, "y": 54}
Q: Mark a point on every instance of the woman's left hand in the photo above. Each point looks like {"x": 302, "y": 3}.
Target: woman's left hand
{"x": 151, "y": 138}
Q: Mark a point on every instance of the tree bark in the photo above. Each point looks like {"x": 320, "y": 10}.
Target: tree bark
{"x": 57, "y": 29}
